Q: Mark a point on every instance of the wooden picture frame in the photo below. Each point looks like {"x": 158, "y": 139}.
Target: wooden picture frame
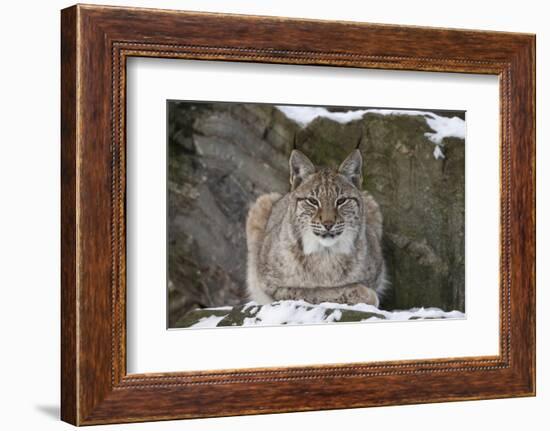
{"x": 95, "y": 43}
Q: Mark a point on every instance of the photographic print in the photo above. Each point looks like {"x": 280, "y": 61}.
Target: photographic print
{"x": 287, "y": 214}
{"x": 213, "y": 246}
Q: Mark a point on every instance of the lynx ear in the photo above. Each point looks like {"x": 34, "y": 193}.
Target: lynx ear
{"x": 300, "y": 168}
{"x": 352, "y": 168}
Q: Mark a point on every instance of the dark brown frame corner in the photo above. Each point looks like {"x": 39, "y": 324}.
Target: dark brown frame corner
{"x": 95, "y": 43}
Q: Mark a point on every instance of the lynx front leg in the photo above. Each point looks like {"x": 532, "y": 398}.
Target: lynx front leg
{"x": 348, "y": 294}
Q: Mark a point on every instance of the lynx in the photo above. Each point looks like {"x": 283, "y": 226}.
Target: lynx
{"x": 321, "y": 242}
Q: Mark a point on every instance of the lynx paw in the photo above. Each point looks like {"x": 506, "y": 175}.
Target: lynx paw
{"x": 372, "y": 297}
{"x": 366, "y": 295}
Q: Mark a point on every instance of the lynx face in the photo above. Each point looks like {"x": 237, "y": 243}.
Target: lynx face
{"x": 328, "y": 210}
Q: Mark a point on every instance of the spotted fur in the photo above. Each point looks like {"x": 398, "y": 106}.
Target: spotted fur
{"x": 321, "y": 242}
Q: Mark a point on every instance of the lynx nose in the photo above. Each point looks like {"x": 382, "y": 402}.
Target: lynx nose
{"x": 328, "y": 225}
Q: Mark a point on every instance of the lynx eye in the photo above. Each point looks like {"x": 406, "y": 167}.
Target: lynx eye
{"x": 341, "y": 201}
{"x": 312, "y": 201}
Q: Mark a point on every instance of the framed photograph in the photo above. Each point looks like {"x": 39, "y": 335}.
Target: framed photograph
{"x": 322, "y": 214}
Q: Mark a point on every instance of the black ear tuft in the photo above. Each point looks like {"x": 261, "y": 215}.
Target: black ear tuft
{"x": 300, "y": 168}
{"x": 352, "y": 168}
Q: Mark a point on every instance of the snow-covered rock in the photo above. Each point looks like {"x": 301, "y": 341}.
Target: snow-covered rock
{"x": 301, "y": 312}
{"x": 444, "y": 127}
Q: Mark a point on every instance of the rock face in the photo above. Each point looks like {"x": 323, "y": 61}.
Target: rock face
{"x": 223, "y": 156}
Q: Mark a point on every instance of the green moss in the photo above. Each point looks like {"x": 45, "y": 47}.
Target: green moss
{"x": 357, "y": 316}
{"x": 195, "y": 316}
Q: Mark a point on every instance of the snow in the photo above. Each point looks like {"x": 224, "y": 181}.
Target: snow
{"x": 438, "y": 153}
{"x": 443, "y": 127}
{"x": 417, "y": 313}
{"x": 301, "y": 312}
{"x": 303, "y": 115}
{"x": 208, "y": 322}
{"x": 285, "y": 312}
